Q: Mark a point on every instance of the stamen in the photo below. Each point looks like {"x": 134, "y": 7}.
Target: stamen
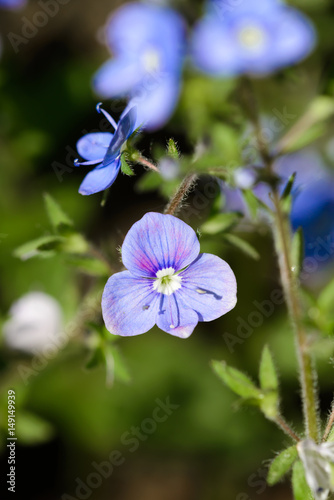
{"x": 106, "y": 114}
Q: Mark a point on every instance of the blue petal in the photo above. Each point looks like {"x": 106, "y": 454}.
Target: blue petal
{"x": 129, "y": 305}
{"x": 12, "y": 4}
{"x": 295, "y": 38}
{"x": 158, "y": 242}
{"x": 213, "y": 48}
{"x": 117, "y": 77}
{"x": 125, "y": 127}
{"x": 155, "y": 101}
{"x": 208, "y": 287}
{"x": 100, "y": 178}
{"x": 174, "y": 317}
{"x": 94, "y": 146}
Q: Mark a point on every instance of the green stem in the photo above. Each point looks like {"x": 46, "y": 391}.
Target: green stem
{"x": 282, "y": 236}
{"x": 284, "y": 426}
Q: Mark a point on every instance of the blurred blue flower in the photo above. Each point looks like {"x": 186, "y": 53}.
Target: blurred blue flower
{"x": 104, "y": 148}
{"x": 148, "y": 44}
{"x": 252, "y": 37}
{"x": 313, "y": 199}
{"x": 12, "y": 4}
{"x": 168, "y": 282}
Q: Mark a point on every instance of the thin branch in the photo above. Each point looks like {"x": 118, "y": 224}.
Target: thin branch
{"x": 282, "y": 424}
{"x": 329, "y": 425}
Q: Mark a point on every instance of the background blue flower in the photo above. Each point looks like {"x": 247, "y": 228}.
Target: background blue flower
{"x": 250, "y": 37}
{"x": 167, "y": 283}
{"x": 148, "y": 47}
{"x": 12, "y": 4}
{"x": 104, "y": 148}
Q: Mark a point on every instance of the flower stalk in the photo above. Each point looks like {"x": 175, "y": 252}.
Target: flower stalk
{"x": 176, "y": 201}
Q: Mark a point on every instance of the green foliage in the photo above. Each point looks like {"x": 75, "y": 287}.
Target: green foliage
{"x": 172, "y": 149}
{"x": 281, "y": 465}
{"x": 125, "y": 166}
{"x": 32, "y": 429}
{"x": 60, "y": 221}
{"x": 89, "y": 265}
{"x": 297, "y": 251}
{"x": 242, "y": 245}
{"x": 45, "y": 246}
{"x": 267, "y": 375}
{"x": 237, "y": 381}
{"x": 301, "y": 490}
{"x": 220, "y": 222}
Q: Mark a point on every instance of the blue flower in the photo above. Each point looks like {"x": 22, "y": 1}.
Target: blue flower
{"x": 253, "y": 37}
{"x": 148, "y": 47}
{"x": 168, "y": 282}
{"x": 104, "y": 149}
{"x": 12, "y": 4}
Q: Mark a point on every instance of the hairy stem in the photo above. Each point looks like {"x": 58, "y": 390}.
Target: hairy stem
{"x": 282, "y": 238}
{"x": 329, "y": 425}
{"x": 282, "y": 424}
{"x": 146, "y": 163}
{"x": 176, "y": 201}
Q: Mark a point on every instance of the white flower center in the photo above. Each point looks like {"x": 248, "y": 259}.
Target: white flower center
{"x": 167, "y": 282}
{"x": 151, "y": 60}
{"x": 252, "y": 37}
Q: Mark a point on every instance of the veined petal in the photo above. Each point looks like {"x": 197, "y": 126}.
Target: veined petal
{"x": 117, "y": 77}
{"x": 94, "y": 146}
{"x": 155, "y": 100}
{"x": 174, "y": 317}
{"x": 158, "y": 242}
{"x": 100, "y": 178}
{"x": 208, "y": 287}
{"x": 129, "y": 305}
{"x": 125, "y": 127}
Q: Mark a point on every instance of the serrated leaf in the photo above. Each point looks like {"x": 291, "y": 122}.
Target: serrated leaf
{"x": 237, "y": 381}
{"x": 38, "y": 246}
{"x": 90, "y": 265}
{"x": 220, "y": 222}
{"x": 301, "y": 490}
{"x": 242, "y": 245}
{"x": 267, "y": 375}
{"x": 297, "y": 251}
{"x": 281, "y": 465}
{"x": 172, "y": 150}
{"x": 32, "y": 429}
{"x": 58, "y": 218}
{"x": 125, "y": 166}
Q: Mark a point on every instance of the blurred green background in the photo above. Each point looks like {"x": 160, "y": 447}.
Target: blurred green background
{"x": 66, "y": 416}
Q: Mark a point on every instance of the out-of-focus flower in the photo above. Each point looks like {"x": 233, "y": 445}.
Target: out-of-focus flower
{"x": 35, "y": 323}
{"x": 169, "y": 168}
{"x": 317, "y": 460}
{"x": 168, "y": 282}
{"x": 252, "y": 37}
{"x": 148, "y": 44}
{"x": 12, "y": 4}
{"x": 104, "y": 149}
{"x": 313, "y": 199}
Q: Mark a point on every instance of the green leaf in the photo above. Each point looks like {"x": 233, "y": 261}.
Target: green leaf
{"x": 59, "y": 220}
{"x": 301, "y": 490}
{"x": 75, "y": 243}
{"x": 90, "y": 265}
{"x": 43, "y": 246}
{"x": 125, "y": 166}
{"x": 309, "y": 127}
{"x": 172, "y": 150}
{"x": 220, "y": 222}
{"x": 289, "y": 186}
{"x": 268, "y": 376}
{"x": 96, "y": 359}
{"x": 297, "y": 251}
{"x": 149, "y": 182}
{"x": 326, "y": 299}
{"x": 252, "y": 202}
{"x": 281, "y": 465}
{"x": 32, "y": 429}
{"x": 242, "y": 245}
{"x": 237, "y": 381}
